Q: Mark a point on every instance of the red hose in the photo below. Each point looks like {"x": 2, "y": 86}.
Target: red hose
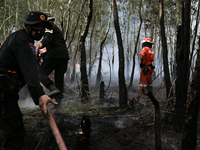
{"x": 55, "y": 131}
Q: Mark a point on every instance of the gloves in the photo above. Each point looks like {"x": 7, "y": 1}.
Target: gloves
{"x": 152, "y": 67}
{"x": 141, "y": 65}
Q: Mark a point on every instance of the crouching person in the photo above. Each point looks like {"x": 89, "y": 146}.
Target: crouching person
{"x": 18, "y": 67}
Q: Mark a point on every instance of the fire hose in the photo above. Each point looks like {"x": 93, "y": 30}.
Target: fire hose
{"x": 52, "y": 123}
{"x": 56, "y": 132}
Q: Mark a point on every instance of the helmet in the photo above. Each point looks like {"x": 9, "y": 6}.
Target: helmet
{"x": 148, "y": 40}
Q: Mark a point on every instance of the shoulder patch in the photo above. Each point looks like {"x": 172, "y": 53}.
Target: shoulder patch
{"x": 48, "y": 30}
{"x": 43, "y": 50}
{"x": 32, "y": 48}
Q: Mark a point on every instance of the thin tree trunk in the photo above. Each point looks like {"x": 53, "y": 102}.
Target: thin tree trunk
{"x": 168, "y": 83}
{"x": 127, "y": 43}
{"x": 76, "y": 25}
{"x": 113, "y": 53}
{"x": 195, "y": 35}
{"x": 101, "y": 51}
{"x": 67, "y": 29}
{"x": 17, "y": 10}
{"x": 122, "y": 86}
{"x": 136, "y": 44}
{"x": 157, "y": 125}
{"x": 84, "y": 78}
{"x": 74, "y": 60}
{"x": 91, "y": 34}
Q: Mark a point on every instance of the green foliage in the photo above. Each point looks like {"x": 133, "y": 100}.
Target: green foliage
{"x": 12, "y": 11}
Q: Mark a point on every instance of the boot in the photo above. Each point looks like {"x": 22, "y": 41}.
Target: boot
{"x": 150, "y": 89}
{"x": 53, "y": 91}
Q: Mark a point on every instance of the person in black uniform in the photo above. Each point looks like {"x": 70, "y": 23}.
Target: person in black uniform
{"x": 56, "y": 59}
{"x": 18, "y": 67}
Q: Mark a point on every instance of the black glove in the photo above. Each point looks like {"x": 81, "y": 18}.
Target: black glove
{"x": 141, "y": 65}
{"x": 152, "y": 67}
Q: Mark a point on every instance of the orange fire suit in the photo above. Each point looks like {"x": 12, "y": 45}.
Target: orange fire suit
{"x": 146, "y": 58}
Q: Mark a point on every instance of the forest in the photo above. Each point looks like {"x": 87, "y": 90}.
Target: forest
{"x": 103, "y": 38}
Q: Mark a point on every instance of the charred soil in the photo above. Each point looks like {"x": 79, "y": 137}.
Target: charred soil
{"x": 112, "y": 127}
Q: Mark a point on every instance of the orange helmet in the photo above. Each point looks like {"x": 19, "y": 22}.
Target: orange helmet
{"x": 148, "y": 40}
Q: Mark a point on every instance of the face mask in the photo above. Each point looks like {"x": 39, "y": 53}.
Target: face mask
{"x": 36, "y": 34}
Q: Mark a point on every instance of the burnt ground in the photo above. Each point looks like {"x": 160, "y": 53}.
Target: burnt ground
{"x": 112, "y": 127}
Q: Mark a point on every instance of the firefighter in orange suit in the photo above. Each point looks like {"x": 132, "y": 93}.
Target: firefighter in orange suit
{"x": 146, "y": 59}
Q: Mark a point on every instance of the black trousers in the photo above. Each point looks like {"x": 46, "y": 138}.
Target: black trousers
{"x": 11, "y": 123}
{"x": 59, "y": 65}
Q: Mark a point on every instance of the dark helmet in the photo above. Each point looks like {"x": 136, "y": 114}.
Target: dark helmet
{"x": 35, "y": 17}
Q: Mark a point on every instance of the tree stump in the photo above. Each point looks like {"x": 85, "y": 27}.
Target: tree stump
{"x": 83, "y": 139}
{"x": 102, "y": 92}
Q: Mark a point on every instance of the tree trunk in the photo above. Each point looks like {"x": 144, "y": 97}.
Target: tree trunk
{"x": 157, "y": 122}
{"x": 91, "y": 34}
{"x": 195, "y": 35}
{"x": 76, "y": 25}
{"x": 113, "y": 54}
{"x": 84, "y": 78}
{"x": 102, "y": 91}
{"x": 189, "y": 140}
{"x": 122, "y": 85}
{"x": 183, "y": 65}
{"x": 67, "y": 28}
{"x": 101, "y": 52}
{"x": 74, "y": 60}
{"x": 168, "y": 83}
{"x": 127, "y": 43}
{"x": 133, "y": 68}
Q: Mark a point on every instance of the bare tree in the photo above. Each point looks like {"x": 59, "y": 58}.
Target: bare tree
{"x": 122, "y": 86}
{"x": 101, "y": 51}
{"x": 84, "y": 78}
{"x": 165, "y": 51}
{"x": 136, "y": 44}
{"x": 91, "y": 34}
{"x": 76, "y": 25}
{"x": 189, "y": 140}
{"x": 183, "y": 67}
{"x": 195, "y": 35}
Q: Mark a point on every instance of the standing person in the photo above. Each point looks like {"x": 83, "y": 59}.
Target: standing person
{"x": 56, "y": 59}
{"x": 18, "y": 67}
{"x": 146, "y": 59}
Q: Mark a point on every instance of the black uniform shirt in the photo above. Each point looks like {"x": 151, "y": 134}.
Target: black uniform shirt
{"x": 55, "y": 44}
{"x": 18, "y": 54}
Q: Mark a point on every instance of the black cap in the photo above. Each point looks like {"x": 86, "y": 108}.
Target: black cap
{"x": 35, "y": 17}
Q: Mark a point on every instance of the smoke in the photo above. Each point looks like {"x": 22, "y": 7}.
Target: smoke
{"x": 27, "y": 103}
{"x": 123, "y": 122}
{"x": 25, "y": 100}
